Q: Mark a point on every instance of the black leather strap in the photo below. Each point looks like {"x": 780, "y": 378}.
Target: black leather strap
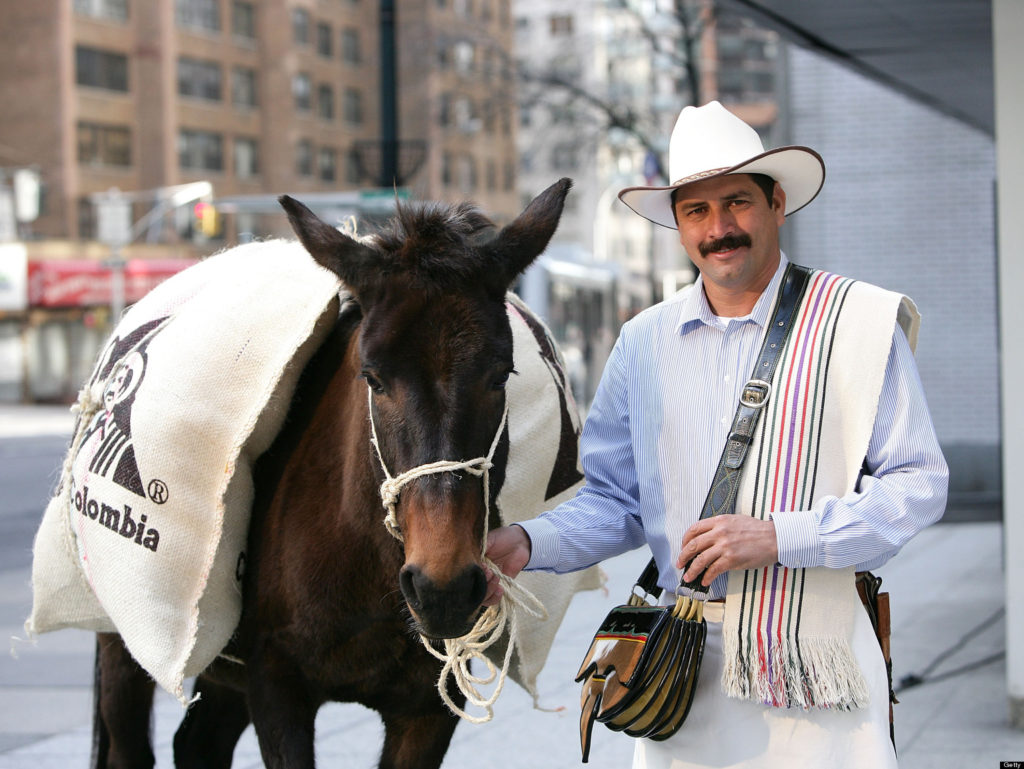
{"x": 721, "y": 498}
{"x": 756, "y": 392}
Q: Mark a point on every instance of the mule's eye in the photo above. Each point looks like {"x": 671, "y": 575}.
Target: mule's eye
{"x": 372, "y": 381}
{"x": 502, "y": 379}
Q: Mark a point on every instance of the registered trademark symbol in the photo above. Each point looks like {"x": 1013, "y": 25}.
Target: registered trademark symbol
{"x": 157, "y": 491}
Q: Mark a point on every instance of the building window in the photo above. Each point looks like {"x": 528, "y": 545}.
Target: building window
{"x": 243, "y": 20}
{"x": 247, "y": 158}
{"x": 300, "y": 26}
{"x": 444, "y": 55}
{"x": 464, "y": 54}
{"x": 560, "y": 24}
{"x": 353, "y": 106}
{"x": 466, "y": 119}
{"x": 302, "y": 92}
{"x": 467, "y": 174}
{"x": 351, "y": 49}
{"x": 104, "y": 145}
{"x": 326, "y": 164}
{"x": 743, "y": 85}
{"x": 243, "y": 87}
{"x": 445, "y": 117}
{"x": 86, "y": 218}
{"x": 488, "y": 64}
{"x": 353, "y": 168}
{"x": 492, "y": 175}
{"x": 490, "y": 118}
{"x": 510, "y": 176}
{"x": 325, "y": 102}
{"x": 199, "y": 79}
{"x": 201, "y": 150}
{"x": 115, "y": 10}
{"x": 324, "y": 40}
{"x": 304, "y": 158}
{"x": 101, "y": 69}
{"x": 198, "y": 14}
{"x": 446, "y": 169}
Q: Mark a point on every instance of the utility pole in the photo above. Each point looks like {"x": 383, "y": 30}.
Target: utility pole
{"x": 388, "y": 97}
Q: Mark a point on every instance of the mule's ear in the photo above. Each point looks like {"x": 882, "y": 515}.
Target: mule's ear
{"x": 522, "y": 241}
{"x": 345, "y": 257}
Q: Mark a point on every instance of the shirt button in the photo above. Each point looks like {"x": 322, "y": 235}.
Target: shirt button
{"x": 727, "y": 377}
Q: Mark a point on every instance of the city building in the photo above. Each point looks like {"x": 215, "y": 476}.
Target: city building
{"x": 601, "y": 85}
{"x": 349, "y": 104}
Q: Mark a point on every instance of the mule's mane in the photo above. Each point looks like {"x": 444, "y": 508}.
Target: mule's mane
{"x": 435, "y": 242}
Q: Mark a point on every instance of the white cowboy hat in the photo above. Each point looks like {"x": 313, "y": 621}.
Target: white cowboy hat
{"x": 710, "y": 141}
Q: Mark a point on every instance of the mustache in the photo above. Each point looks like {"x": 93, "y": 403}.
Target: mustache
{"x": 736, "y": 240}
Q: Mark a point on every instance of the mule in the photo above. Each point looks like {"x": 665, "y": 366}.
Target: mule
{"x": 333, "y": 604}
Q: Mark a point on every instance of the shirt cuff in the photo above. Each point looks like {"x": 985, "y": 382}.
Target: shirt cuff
{"x": 543, "y": 543}
{"x": 796, "y": 535}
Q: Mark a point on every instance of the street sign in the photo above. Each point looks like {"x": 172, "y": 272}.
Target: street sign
{"x": 26, "y": 195}
{"x": 13, "y": 277}
{"x": 113, "y": 218}
{"x": 8, "y": 225}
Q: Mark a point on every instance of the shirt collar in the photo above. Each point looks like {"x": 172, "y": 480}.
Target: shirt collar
{"x": 695, "y": 309}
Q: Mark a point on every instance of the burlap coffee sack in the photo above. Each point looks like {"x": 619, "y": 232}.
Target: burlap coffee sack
{"x": 148, "y": 530}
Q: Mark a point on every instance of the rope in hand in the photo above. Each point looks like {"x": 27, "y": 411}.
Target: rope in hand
{"x": 459, "y": 652}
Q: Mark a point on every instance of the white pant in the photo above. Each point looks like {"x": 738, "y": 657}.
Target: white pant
{"x": 724, "y": 732}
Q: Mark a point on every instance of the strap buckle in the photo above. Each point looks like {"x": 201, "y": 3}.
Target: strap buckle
{"x": 756, "y": 393}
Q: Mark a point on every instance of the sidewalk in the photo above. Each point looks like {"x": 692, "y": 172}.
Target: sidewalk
{"x": 945, "y": 583}
{"x": 22, "y": 421}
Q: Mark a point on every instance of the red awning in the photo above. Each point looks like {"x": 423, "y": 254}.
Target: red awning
{"x": 85, "y": 282}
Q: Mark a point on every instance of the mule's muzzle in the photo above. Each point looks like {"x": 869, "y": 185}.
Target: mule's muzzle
{"x": 448, "y": 610}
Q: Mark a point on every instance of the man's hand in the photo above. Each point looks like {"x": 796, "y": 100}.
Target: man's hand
{"x": 509, "y": 548}
{"x": 727, "y": 542}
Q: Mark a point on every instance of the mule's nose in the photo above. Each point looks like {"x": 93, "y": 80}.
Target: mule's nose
{"x": 444, "y": 611}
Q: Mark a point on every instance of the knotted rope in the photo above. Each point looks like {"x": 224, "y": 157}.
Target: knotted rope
{"x": 490, "y": 625}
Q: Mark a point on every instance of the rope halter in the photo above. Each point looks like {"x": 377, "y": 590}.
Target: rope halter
{"x": 490, "y": 625}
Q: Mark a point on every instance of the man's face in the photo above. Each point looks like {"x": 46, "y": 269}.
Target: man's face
{"x": 730, "y": 231}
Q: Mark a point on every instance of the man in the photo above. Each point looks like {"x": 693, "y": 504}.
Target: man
{"x": 843, "y": 470}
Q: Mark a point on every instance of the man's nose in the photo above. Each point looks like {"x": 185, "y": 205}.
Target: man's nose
{"x": 721, "y": 222}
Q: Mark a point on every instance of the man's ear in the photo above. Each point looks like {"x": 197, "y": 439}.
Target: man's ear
{"x": 779, "y": 202}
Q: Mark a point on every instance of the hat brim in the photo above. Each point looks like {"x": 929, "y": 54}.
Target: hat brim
{"x": 800, "y": 172}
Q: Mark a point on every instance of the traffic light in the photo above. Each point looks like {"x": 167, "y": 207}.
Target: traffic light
{"x": 207, "y": 219}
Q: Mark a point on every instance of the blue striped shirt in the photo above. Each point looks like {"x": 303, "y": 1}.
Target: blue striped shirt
{"x": 657, "y": 427}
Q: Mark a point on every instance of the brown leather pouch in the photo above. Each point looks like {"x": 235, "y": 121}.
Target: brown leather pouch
{"x": 876, "y": 603}
{"x": 640, "y": 672}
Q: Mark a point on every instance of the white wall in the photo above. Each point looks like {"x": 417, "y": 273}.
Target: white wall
{"x": 1008, "y": 32}
{"x": 908, "y": 204}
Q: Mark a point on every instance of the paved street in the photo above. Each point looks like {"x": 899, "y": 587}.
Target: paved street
{"x": 947, "y": 593}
